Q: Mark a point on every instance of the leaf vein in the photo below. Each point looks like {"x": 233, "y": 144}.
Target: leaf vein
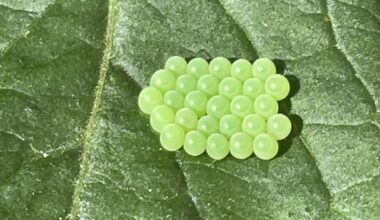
{"x": 209, "y": 166}
{"x": 18, "y": 10}
{"x": 242, "y": 29}
{"x": 28, "y": 28}
{"x": 361, "y": 8}
{"x": 358, "y": 183}
{"x": 92, "y": 123}
{"x": 349, "y": 59}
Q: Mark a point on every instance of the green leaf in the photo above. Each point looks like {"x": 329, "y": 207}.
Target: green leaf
{"x": 48, "y": 70}
{"x": 73, "y": 144}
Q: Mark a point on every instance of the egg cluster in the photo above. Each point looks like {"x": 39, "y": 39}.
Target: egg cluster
{"x": 218, "y": 107}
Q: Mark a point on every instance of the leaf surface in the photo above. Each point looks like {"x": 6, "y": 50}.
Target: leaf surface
{"x": 69, "y": 111}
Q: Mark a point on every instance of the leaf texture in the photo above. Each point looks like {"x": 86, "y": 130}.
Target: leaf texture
{"x": 74, "y": 145}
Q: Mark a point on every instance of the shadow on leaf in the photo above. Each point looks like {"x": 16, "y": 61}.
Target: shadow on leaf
{"x": 285, "y": 107}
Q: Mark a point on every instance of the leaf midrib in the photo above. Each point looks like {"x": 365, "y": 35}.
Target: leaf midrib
{"x": 91, "y": 126}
